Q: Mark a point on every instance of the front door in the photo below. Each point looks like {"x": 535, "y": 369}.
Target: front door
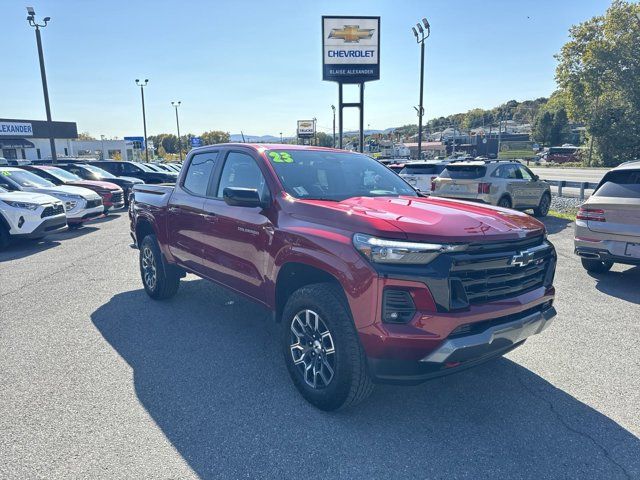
{"x": 237, "y": 238}
{"x": 186, "y": 219}
{"x": 530, "y": 188}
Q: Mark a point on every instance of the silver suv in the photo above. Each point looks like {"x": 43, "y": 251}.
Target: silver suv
{"x": 504, "y": 183}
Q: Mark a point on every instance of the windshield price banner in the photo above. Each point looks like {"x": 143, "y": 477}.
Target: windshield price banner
{"x": 350, "y": 49}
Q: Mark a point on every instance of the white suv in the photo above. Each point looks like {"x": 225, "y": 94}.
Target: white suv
{"x": 421, "y": 175}
{"x": 80, "y": 204}
{"x": 29, "y": 215}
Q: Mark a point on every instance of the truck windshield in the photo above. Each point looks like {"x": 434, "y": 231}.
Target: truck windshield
{"x": 330, "y": 175}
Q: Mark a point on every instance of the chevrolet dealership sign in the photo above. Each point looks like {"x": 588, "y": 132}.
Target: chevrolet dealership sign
{"x": 16, "y": 129}
{"x": 350, "y": 49}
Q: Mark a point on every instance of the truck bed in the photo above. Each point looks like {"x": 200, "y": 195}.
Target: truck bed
{"x": 152, "y": 195}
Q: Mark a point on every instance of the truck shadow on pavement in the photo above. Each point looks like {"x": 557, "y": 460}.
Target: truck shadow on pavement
{"x": 208, "y": 370}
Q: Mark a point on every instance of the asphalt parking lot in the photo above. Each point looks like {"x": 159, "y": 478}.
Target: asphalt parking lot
{"x": 99, "y": 381}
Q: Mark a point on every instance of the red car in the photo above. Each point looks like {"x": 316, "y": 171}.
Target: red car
{"x": 370, "y": 281}
{"x": 112, "y": 195}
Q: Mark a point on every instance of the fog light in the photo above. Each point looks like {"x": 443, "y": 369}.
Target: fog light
{"x": 20, "y": 222}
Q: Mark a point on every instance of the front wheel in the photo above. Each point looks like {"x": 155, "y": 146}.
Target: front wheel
{"x": 5, "y": 239}
{"x": 596, "y": 266}
{"x": 321, "y": 348}
{"x": 543, "y": 207}
{"x": 160, "y": 280}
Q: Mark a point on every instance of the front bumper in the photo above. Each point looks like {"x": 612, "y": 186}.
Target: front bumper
{"x": 50, "y": 225}
{"x": 485, "y": 341}
{"x": 85, "y": 214}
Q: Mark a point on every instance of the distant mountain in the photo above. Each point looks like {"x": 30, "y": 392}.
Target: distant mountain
{"x": 237, "y": 137}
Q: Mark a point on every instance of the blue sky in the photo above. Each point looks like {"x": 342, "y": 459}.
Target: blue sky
{"x": 256, "y": 65}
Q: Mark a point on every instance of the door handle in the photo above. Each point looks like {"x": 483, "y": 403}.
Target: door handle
{"x": 210, "y": 217}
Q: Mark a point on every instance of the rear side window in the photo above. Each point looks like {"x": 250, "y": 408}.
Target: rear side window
{"x": 619, "y": 190}
{"x": 422, "y": 170}
{"x": 464, "y": 172}
{"x": 199, "y": 173}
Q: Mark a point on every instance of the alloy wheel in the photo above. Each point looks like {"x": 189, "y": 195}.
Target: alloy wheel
{"x": 312, "y": 349}
{"x": 149, "y": 268}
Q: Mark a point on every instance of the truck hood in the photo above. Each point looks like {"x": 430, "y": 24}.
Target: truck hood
{"x": 427, "y": 219}
{"x": 66, "y": 190}
{"x": 28, "y": 197}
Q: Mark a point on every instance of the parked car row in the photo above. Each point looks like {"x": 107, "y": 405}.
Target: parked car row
{"x": 504, "y": 183}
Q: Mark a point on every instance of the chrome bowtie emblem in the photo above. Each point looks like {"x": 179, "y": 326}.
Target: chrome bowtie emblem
{"x": 522, "y": 259}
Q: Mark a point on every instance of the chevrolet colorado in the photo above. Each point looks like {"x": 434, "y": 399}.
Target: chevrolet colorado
{"x": 369, "y": 281}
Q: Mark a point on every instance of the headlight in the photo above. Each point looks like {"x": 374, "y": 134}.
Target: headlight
{"x": 379, "y": 250}
{"x": 25, "y": 205}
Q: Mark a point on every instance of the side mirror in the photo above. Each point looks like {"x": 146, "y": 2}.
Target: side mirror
{"x": 241, "y": 197}
{"x": 536, "y": 178}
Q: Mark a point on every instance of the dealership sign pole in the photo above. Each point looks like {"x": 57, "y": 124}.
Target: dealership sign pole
{"x": 350, "y": 54}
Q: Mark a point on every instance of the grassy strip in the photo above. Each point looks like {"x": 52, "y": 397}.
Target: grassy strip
{"x": 565, "y": 215}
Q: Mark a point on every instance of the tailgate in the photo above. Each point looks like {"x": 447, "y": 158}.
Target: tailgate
{"x": 621, "y": 216}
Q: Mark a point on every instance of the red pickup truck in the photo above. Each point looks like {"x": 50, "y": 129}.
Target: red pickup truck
{"x": 370, "y": 281}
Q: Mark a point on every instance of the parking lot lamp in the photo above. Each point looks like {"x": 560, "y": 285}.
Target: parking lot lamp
{"x": 176, "y": 105}
{"x": 31, "y": 18}
{"x": 421, "y": 35}
{"x": 102, "y": 151}
{"x": 144, "y": 116}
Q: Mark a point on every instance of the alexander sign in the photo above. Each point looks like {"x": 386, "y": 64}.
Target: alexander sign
{"x": 16, "y": 129}
{"x": 350, "y": 49}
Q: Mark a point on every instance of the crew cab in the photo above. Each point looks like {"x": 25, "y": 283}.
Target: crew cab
{"x": 80, "y": 204}
{"x": 369, "y": 281}
{"x": 111, "y": 194}
{"x": 135, "y": 170}
{"x": 29, "y": 215}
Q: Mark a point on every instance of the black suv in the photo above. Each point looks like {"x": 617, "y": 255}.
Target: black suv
{"x": 135, "y": 170}
{"x": 92, "y": 172}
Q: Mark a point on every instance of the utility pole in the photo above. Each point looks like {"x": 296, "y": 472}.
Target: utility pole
{"x": 144, "y": 116}
{"x": 420, "y": 38}
{"x": 333, "y": 107}
{"x": 102, "y": 151}
{"x": 31, "y": 18}
{"x": 176, "y": 105}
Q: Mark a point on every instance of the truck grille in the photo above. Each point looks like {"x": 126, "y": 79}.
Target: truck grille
{"x": 117, "y": 197}
{"x": 500, "y": 271}
{"x": 94, "y": 203}
{"x": 52, "y": 210}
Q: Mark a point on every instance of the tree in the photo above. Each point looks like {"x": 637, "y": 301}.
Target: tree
{"x": 214, "y": 136}
{"x": 598, "y": 71}
{"x": 559, "y": 132}
{"x": 542, "y": 127}
{"x": 324, "y": 139}
{"x": 85, "y": 136}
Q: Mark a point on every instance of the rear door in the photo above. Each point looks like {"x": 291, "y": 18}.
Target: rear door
{"x": 237, "y": 238}
{"x": 187, "y": 222}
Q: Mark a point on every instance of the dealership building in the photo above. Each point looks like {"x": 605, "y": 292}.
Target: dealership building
{"x": 29, "y": 140}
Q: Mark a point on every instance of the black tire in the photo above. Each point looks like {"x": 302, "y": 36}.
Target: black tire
{"x": 350, "y": 383}
{"x": 5, "y": 239}
{"x": 160, "y": 280}
{"x": 75, "y": 226}
{"x": 543, "y": 207}
{"x": 504, "y": 202}
{"x": 596, "y": 266}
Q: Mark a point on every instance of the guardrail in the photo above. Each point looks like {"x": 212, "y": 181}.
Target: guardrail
{"x": 564, "y": 183}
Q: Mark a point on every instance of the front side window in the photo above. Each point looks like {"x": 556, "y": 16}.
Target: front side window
{"x": 525, "y": 173}
{"x": 336, "y": 176}
{"x": 241, "y": 171}
{"x": 199, "y": 173}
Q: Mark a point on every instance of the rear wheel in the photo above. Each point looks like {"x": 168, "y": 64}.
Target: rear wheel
{"x": 504, "y": 202}
{"x": 160, "y": 279}
{"x": 321, "y": 348}
{"x": 596, "y": 266}
{"x": 543, "y": 208}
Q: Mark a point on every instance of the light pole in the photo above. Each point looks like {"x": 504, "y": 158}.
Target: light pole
{"x": 102, "y": 151}
{"x": 31, "y": 18}
{"x": 333, "y": 107}
{"x": 176, "y": 105}
{"x": 280, "y": 137}
{"x": 144, "y": 115}
{"x": 421, "y": 35}
{"x": 315, "y": 135}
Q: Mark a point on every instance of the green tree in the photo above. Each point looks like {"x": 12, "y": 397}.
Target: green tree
{"x": 324, "y": 139}
{"x": 559, "y": 132}
{"x": 542, "y": 127}
{"x": 598, "y": 71}
{"x": 85, "y": 136}
{"x": 214, "y": 136}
